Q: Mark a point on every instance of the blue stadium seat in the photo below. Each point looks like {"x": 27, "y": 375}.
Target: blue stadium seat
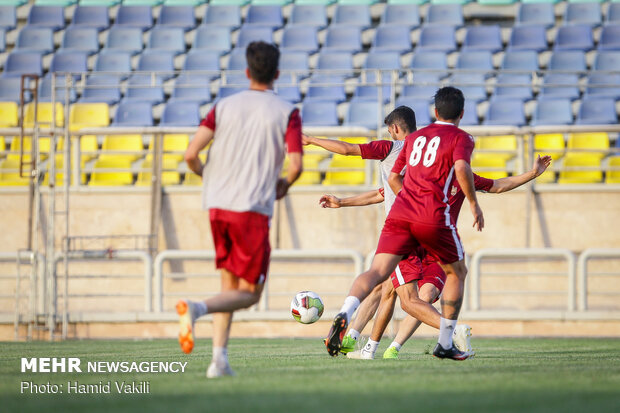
{"x": 192, "y": 88}
{"x": 127, "y": 39}
{"x": 319, "y": 113}
{"x": 323, "y": 87}
{"x": 23, "y": 62}
{"x": 505, "y": 112}
{"x": 8, "y": 17}
{"x": 560, "y": 86}
{"x": 237, "y": 65}
{"x": 479, "y": 60}
{"x": 101, "y": 89}
{"x": 483, "y": 38}
{"x": 613, "y": 13}
{"x": 299, "y": 39}
{"x": 603, "y": 85}
{"x": 95, "y": 17}
{"x": 181, "y": 17}
{"x": 607, "y": 60}
{"x": 289, "y": 93}
{"x": 583, "y": 13}
{"x": 530, "y": 37}
{"x": 342, "y": 63}
{"x": 177, "y": 113}
{"x": 267, "y": 15}
{"x": 10, "y": 89}
{"x": 405, "y": 14}
{"x": 223, "y": 15}
{"x": 573, "y": 60}
{"x": 520, "y": 60}
{"x": 363, "y": 113}
{"x": 470, "y": 114}
{"x": 309, "y": 15}
{"x": 423, "y": 86}
{"x": 419, "y": 106}
{"x": 574, "y": 37}
{"x": 610, "y": 37}
{"x": 2, "y": 40}
{"x": 471, "y": 84}
{"x": 250, "y": 33}
{"x": 432, "y": 63}
{"x": 594, "y": 111}
{"x": 382, "y": 60}
{"x": 226, "y": 91}
{"x": 113, "y": 61}
{"x": 343, "y": 38}
{"x": 129, "y": 113}
{"x": 438, "y": 38}
{"x": 139, "y": 17}
{"x": 52, "y": 17}
{"x": 170, "y": 39}
{"x": 445, "y": 15}
{"x": 356, "y": 15}
{"x": 157, "y": 61}
{"x": 513, "y": 86}
{"x": 145, "y": 88}
{"x": 68, "y": 61}
{"x": 552, "y": 112}
{"x": 82, "y": 39}
{"x": 45, "y": 90}
{"x": 535, "y": 13}
{"x": 201, "y": 61}
{"x": 213, "y": 38}
{"x": 35, "y": 39}
{"x": 294, "y": 61}
{"x": 386, "y": 62}
{"x": 392, "y": 38}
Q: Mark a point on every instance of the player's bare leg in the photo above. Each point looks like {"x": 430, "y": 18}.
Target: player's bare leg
{"x": 364, "y": 314}
{"x": 416, "y": 307}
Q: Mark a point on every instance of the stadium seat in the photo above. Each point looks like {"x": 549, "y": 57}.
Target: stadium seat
{"x": 470, "y": 114}
{"x": 160, "y": 62}
{"x": 572, "y": 161}
{"x": 574, "y": 37}
{"x": 319, "y": 113}
{"x": 343, "y": 39}
{"x": 436, "y": 38}
{"x": 593, "y": 144}
{"x": 111, "y": 172}
{"x": 251, "y": 33}
{"x": 101, "y": 89}
{"x": 225, "y": 91}
{"x": 124, "y": 147}
{"x": 290, "y": 93}
{"x": 8, "y": 17}
{"x": 22, "y": 62}
{"x": 173, "y": 145}
{"x": 139, "y": 17}
{"x": 310, "y": 175}
{"x": 613, "y": 175}
{"x": 296, "y": 62}
{"x": 526, "y": 60}
{"x": 193, "y": 88}
{"x": 572, "y": 60}
{"x": 309, "y": 15}
{"x": 51, "y": 17}
{"x": 536, "y": 14}
{"x": 489, "y": 167}
{"x": 387, "y": 62}
{"x": 551, "y": 144}
{"x": 88, "y": 115}
{"x": 8, "y": 114}
{"x": 126, "y": 39}
{"x": 10, "y": 90}
{"x": 505, "y": 112}
{"x": 479, "y": 60}
{"x": 265, "y": 15}
{"x": 363, "y": 113}
{"x": 405, "y": 14}
{"x": 509, "y": 86}
{"x": 445, "y": 15}
{"x": 338, "y": 64}
{"x": 113, "y": 61}
{"x": 352, "y": 15}
{"x": 419, "y": 106}
{"x": 382, "y": 60}
{"x": 603, "y": 85}
{"x": 392, "y": 38}
{"x": 93, "y": 17}
{"x": 235, "y": 69}
{"x": 69, "y": 61}
{"x": 502, "y": 146}
{"x": 150, "y": 3}
{"x": 169, "y": 174}
{"x": 560, "y": 86}
{"x": 223, "y": 15}
{"x": 299, "y": 39}
{"x": 45, "y": 89}
{"x": 326, "y": 87}
{"x": 610, "y": 37}
{"x": 613, "y": 13}
{"x": 423, "y": 86}
{"x": 181, "y": 17}
{"x": 345, "y": 170}
{"x": 212, "y": 38}
{"x": 594, "y": 111}
{"x": 14, "y": 152}
{"x": 552, "y": 112}
{"x": 35, "y": 39}
{"x": 430, "y": 63}
{"x": 129, "y": 113}
{"x": 80, "y": 39}
{"x": 530, "y": 37}
{"x": 206, "y": 62}
{"x": 180, "y": 113}
{"x": 483, "y": 38}
{"x": 9, "y": 174}
{"x": 168, "y": 39}
{"x": 471, "y": 84}
{"x": 145, "y": 88}
{"x": 583, "y": 13}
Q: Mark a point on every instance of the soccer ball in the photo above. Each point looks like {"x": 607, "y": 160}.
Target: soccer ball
{"x": 306, "y": 307}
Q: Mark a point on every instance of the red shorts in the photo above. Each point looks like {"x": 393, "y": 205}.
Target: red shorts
{"x": 401, "y": 238}
{"x": 241, "y": 243}
{"x": 428, "y": 272}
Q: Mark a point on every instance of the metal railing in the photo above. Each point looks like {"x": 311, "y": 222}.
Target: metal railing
{"x": 582, "y": 272}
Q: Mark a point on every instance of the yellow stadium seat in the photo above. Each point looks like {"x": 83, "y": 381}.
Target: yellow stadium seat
{"x": 88, "y": 115}
{"x": 45, "y": 112}
{"x": 355, "y": 139}
{"x": 576, "y": 160}
{"x": 128, "y": 147}
{"x": 119, "y": 175}
{"x": 503, "y": 146}
{"x": 60, "y": 172}
{"x": 169, "y": 175}
{"x": 551, "y": 144}
{"x": 191, "y": 179}
{"x": 350, "y": 177}
{"x": 9, "y": 117}
{"x": 89, "y": 147}
{"x": 310, "y": 175}
{"x": 2, "y": 146}
{"x": 44, "y": 148}
{"x": 9, "y": 173}
{"x": 613, "y": 177}
{"x": 597, "y": 141}
{"x": 174, "y": 146}
{"x": 488, "y": 161}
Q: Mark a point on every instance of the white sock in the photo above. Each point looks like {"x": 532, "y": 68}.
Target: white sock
{"x": 350, "y": 305}
{"x": 446, "y": 330}
{"x": 220, "y": 355}
{"x": 371, "y": 346}
{"x": 354, "y": 334}
{"x": 395, "y": 345}
{"x": 200, "y": 309}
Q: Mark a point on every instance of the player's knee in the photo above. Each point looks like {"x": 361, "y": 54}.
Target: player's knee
{"x": 429, "y": 295}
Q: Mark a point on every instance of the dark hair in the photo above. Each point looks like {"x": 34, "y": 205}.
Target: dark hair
{"x": 404, "y": 117}
{"x": 263, "y": 59}
{"x": 449, "y": 102}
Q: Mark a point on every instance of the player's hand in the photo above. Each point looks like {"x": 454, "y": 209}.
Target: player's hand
{"x": 282, "y": 188}
{"x": 541, "y": 164}
{"x": 478, "y": 217}
{"x": 305, "y": 139}
{"x": 329, "y": 201}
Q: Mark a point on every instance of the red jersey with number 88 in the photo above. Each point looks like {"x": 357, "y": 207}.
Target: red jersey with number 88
{"x": 429, "y": 155}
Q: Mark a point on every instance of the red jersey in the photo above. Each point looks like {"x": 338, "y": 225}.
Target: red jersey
{"x": 457, "y": 196}
{"x": 429, "y": 155}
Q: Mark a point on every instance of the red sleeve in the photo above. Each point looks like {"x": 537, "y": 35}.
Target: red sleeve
{"x": 482, "y": 184}
{"x": 401, "y": 161}
{"x": 209, "y": 120}
{"x": 382, "y": 192}
{"x": 376, "y": 149}
{"x": 293, "y": 133}
{"x": 463, "y": 148}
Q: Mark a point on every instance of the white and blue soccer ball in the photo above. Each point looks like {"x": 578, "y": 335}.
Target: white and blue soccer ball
{"x": 307, "y": 307}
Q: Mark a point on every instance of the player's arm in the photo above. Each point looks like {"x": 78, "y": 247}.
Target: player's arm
{"x": 511, "y": 182}
{"x": 367, "y": 198}
{"x": 203, "y": 136}
{"x": 465, "y": 177}
{"x": 332, "y": 145}
{"x": 295, "y": 153}
{"x": 395, "y": 180}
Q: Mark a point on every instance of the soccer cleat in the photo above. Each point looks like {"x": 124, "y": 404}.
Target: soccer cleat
{"x": 219, "y": 371}
{"x": 348, "y": 344}
{"x": 451, "y": 353}
{"x": 333, "y": 342}
{"x": 186, "y": 325}
{"x": 362, "y": 354}
{"x": 461, "y": 336}
{"x": 391, "y": 353}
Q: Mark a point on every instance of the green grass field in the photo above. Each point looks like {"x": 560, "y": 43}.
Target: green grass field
{"x": 297, "y": 375}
